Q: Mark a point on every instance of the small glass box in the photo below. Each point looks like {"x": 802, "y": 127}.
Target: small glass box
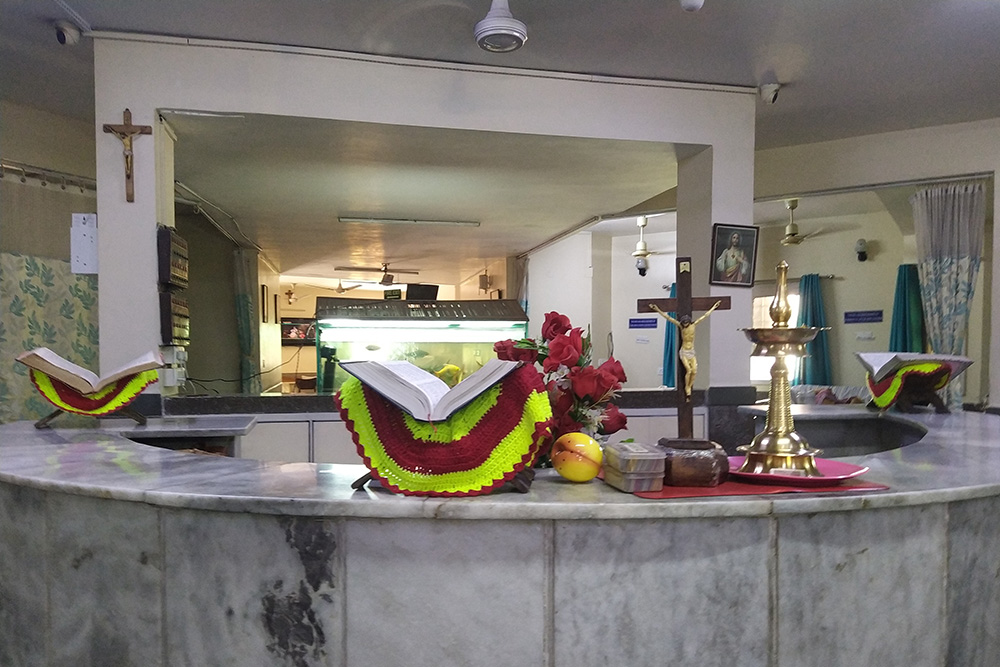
{"x": 634, "y": 457}
{"x": 632, "y": 482}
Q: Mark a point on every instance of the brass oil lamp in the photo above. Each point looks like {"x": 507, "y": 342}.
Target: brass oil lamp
{"x": 778, "y": 447}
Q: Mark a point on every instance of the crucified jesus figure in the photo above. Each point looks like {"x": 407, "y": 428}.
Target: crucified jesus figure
{"x": 686, "y": 327}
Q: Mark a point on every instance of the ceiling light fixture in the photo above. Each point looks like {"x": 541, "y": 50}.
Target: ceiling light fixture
{"x": 408, "y": 221}
{"x": 500, "y": 32}
{"x": 692, "y": 5}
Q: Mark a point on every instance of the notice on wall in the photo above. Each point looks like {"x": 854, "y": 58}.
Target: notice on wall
{"x": 642, "y": 322}
{"x": 862, "y": 316}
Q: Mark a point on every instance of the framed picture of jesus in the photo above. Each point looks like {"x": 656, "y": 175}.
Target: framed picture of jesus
{"x": 734, "y": 255}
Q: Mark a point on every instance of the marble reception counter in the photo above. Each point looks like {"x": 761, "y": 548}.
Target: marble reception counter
{"x": 114, "y": 552}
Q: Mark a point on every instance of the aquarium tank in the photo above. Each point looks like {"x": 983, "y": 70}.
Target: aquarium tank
{"x": 451, "y": 339}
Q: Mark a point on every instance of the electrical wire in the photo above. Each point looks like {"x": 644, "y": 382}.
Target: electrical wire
{"x": 253, "y": 375}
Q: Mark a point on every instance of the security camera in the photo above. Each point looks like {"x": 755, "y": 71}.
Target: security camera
{"x": 642, "y": 264}
{"x": 769, "y": 92}
{"x": 67, "y": 33}
{"x": 861, "y": 247}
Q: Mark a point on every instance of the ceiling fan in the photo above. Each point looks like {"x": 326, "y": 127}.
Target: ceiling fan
{"x": 340, "y": 289}
{"x": 792, "y": 236}
{"x": 375, "y": 269}
{"x": 642, "y": 251}
{"x": 387, "y": 278}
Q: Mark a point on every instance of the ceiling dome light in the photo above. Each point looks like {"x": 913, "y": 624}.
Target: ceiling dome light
{"x": 692, "y": 5}
{"x": 500, "y": 32}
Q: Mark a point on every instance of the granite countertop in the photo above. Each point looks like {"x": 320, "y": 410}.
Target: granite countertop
{"x": 958, "y": 459}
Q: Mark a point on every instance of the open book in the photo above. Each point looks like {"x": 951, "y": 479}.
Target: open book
{"x": 422, "y": 394}
{"x": 882, "y": 364}
{"x": 45, "y": 360}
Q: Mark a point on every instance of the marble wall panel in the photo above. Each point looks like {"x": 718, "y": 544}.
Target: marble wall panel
{"x": 974, "y": 583}
{"x": 105, "y": 574}
{"x": 662, "y": 593}
{"x": 23, "y": 594}
{"x": 259, "y": 590}
{"x": 445, "y": 593}
{"x": 862, "y": 588}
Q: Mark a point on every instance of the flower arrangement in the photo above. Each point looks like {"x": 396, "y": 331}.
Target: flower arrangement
{"x": 579, "y": 393}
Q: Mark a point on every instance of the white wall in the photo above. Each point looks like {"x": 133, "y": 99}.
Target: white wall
{"x": 924, "y": 153}
{"x": 560, "y": 279}
{"x": 858, "y": 285}
{"x": 641, "y": 350}
{"x": 149, "y": 73}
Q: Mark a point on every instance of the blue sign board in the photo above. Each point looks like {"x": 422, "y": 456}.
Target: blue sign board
{"x": 642, "y": 322}
{"x": 862, "y": 316}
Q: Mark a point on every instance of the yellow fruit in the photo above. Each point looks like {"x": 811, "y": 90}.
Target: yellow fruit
{"x": 576, "y": 456}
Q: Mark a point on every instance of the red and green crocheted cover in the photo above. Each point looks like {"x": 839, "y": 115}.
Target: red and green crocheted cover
{"x": 476, "y": 450}
{"x": 885, "y": 393}
{"x": 109, "y": 399}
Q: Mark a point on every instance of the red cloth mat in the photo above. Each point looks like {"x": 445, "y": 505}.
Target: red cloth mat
{"x": 734, "y": 488}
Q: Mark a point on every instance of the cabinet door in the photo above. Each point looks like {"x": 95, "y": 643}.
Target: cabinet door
{"x": 287, "y": 442}
{"x": 332, "y": 443}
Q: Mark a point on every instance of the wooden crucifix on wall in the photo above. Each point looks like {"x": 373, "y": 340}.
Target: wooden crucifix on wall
{"x": 126, "y": 131}
{"x": 687, "y": 365}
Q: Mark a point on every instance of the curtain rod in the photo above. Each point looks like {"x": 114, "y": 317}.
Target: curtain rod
{"x": 46, "y": 177}
{"x": 976, "y": 176}
{"x": 825, "y": 276}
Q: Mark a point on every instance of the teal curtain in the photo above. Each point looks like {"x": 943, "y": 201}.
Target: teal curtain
{"x": 815, "y": 367}
{"x": 670, "y": 348}
{"x": 906, "y": 333}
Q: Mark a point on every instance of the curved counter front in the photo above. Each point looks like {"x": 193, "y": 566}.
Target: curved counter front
{"x": 117, "y": 553}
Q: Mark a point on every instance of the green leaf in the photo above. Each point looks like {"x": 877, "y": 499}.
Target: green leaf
{"x": 86, "y": 297}
{"x": 87, "y": 354}
{"x": 34, "y": 327}
{"x": 49, "y": 333}
{"x": 67, "y": 310}
{"x": 17, "y": 306}
{"x": 48, "y": 276}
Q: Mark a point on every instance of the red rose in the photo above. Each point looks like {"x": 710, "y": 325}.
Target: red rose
{"x": 564, "y": 350}
{"x": 504, "y": 349}
{"x": 612, "y": 421}
{"x": 614, "y": 367}
{"x": 555, "y": 325}
{"x": 585, "y": 383}
{"x": 566, "y": 424}
{"x": 509, "y": 351}
{"x": 562, "y": 402}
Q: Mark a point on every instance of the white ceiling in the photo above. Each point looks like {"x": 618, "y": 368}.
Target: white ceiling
{"x": 848, "y": 68}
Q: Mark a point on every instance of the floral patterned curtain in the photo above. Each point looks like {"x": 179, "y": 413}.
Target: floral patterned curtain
{"x": 42, "y": 304}
{"x": 949, "y": 221}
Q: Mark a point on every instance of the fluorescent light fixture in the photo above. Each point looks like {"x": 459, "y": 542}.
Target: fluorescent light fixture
{"x": 409, "y": 221}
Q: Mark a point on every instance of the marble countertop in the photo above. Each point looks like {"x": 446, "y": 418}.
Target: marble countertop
{"x": 958, "y": 459}
{"x": 194, "y": 426}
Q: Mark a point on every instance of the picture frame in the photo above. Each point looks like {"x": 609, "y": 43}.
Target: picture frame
{"x": 734, "y": 260}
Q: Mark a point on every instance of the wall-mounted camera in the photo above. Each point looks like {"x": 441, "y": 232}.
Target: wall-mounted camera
{"x": 642, "y": 264}
{"x": 67, "y": 33}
